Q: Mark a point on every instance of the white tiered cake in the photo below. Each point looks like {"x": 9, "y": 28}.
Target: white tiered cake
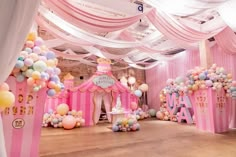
{"x": 118, "y": 108}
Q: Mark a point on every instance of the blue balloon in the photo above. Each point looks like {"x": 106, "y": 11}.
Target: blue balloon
{"x": 19, "y": 64}
{"x": 138, "y": 126}
{"x": 115, "y": 128}
{"x": 54, "y": 78}
{"x": 20, "y": 78}
{"x": 138, "y": 93}
{"x": 29, "y": 50}
{"x": 202, "y": 76}
{"x": 51, "y": 92}
{"x": 55, "y": 121}
{"x": 50, "y": 55}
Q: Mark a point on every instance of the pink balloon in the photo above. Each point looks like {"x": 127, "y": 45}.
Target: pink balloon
{"x": 160, "y": 115}
{"x": 69, "y": 122}
{"x": 234, "y": 83}
{"x": 4, "y": 87}
{"x": 30, "y": 81}
{"x": 134, "y": 105}
{"x": 29, "y": 44}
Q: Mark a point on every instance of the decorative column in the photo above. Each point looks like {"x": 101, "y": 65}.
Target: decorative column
{"x": 205, "y": 54}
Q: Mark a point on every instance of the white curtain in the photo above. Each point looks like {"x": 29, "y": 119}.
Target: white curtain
{"x": 16, "y": 19}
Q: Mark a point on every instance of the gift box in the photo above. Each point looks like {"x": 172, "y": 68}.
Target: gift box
{"x": 211, "y": 110}
{"x": 22, "y": 122}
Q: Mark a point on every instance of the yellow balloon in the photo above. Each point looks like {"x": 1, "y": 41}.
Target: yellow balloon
{"x": 36, "y": 75}
{"x": 31, "y": 36}
{"x": 50, "y": 63}
{"x": 195, "y": 87}
{"x": 57, "y": 88}
{"x": 62, "y": 109}
{"x": 6, "y": 99}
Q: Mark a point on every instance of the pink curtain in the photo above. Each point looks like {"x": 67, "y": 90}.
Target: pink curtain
{"x": 226, "y": 39}
{"x": 156, "y": 77}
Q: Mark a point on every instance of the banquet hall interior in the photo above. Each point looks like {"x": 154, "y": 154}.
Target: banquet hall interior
{"x": 95, "y": 78}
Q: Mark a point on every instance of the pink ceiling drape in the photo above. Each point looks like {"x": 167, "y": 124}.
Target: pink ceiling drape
{"x": 226, "y": 39}
{"x": 177, "y": 31}
{"x": 88, "y": 21}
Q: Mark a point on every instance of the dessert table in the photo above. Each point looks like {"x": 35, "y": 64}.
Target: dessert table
{"x": 117, "y": 115}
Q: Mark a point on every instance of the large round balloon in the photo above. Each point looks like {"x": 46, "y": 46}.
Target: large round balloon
{"x": 134, "y": 105}
{"x": 160, "y": 115}
{"x": 69, "y": 122}
{"x": 62, "y": 109}
{"x": 131, "y": 80}
{"x": 152, "y": 112}
{"x": 143, "y": 87}
{"x": 138, "y": 93}
{"x": 6, "y": 99}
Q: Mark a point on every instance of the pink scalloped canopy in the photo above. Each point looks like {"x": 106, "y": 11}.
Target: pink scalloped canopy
{"x": 91, "y": 87}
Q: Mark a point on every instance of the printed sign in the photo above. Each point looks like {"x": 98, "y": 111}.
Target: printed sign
{"x": 23, "y": 120}
{"x": 103, "y": 81}
{"x": 181, "y": 105}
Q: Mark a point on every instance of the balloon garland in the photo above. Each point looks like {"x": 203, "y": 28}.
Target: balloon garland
{"x": 63, "y": 118}
{"x": 215, "y": 78}
{"x": 37, "y": 65}
{"x": 126, "y": 124}
{"x": 198, "y": 78}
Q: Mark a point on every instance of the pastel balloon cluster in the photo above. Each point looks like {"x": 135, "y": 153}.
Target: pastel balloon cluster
{"x": 126, "y": 124}
{"x": 38, "y": 65}
{"x": 214, "y": 77}
{"x": 162, "y": 96}
{"x": 139, "y": 114}
{"x": 175, "y": 86}
{"x": 7, "y": 98}
{"x": 68, "y": 120}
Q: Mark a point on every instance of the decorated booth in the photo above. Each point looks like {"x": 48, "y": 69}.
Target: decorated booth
{"x": 101, "y": 88}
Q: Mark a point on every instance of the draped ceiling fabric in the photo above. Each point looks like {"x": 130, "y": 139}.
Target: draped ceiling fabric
{"x": 227, "y": 13}
{"x": 16, "y": 20}
{"x": 88, "y": 21}
{"x": 185, "y": 7}
{"x": 227, "y": 40}
{"x": 176, "y": 31}
{"x": 70, "y": 23}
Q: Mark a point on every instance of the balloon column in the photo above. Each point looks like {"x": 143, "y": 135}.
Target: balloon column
{"x": 7, "y": 98}
{"x": 163, "y": 113}
{"x": 177, "y": 86}
{"x": 126, "y": 124}
{"x": 37, "y": 65}
{"x": 63, "y": 118}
